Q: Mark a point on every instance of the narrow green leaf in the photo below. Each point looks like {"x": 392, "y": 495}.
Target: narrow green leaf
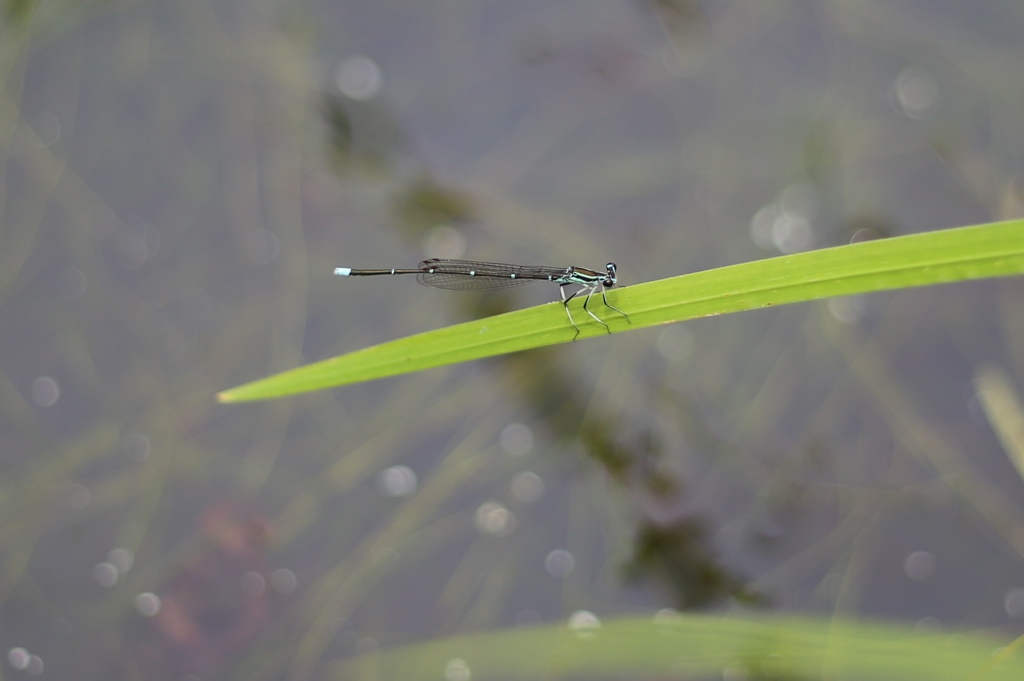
{"x": 993, "y": 250}
{"x": 687, "y": 646}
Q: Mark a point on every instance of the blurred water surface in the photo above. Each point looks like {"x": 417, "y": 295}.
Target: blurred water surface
{"x": 178, "y": 180}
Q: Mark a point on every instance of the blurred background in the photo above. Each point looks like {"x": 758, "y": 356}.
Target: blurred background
{"x": 179, "y": 179}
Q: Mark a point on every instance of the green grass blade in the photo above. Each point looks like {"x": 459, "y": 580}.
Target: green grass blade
{"x": 993, "y": 250}
{"x": 687, "y": 646}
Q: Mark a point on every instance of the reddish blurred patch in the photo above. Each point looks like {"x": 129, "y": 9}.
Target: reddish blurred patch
{"x": 219, "y": 601}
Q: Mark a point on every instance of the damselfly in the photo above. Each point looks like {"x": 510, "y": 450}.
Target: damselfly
{"x": 464, "y": 275}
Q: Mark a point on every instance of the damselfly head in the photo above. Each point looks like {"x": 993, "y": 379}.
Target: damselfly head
{"x": 610, "y": 279}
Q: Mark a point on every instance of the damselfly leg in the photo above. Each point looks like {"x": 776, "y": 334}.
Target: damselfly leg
{"x": 590, "y": 290}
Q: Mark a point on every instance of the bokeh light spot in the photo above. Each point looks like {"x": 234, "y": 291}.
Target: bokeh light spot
{"x": 358, "y": 78}
{"x": 584, "y": 623}
{"x": 527, "y": 487}
{"x": 915, "y": 93}
{"x": 105, "y": 574}
{"x": 559, "y": 563}
{"x": 1013, "y": 603}
{"x": 919, "y": 565}
{"x": 397, "y": 481}
{"x": 516, "y": 439}
{"x": 45, "y": 391}
{"x": 283, "y": 581}
{"x": 444, "y": 241}
{"x": 494, "y": 519}
{"x": 147, "y": 604}
{"x": 457, "y": 670}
